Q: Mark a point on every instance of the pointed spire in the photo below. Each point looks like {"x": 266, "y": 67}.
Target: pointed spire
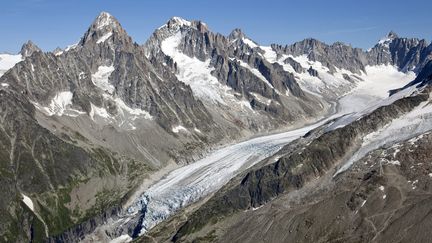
{"x": 236, "y": 34}
{"x": 103, "y": 29}
{"x": 392, "y": 35}
{"x": 105, "y": 20}
{"x": 29, "y": 48}
{"x": 178, "y": 21}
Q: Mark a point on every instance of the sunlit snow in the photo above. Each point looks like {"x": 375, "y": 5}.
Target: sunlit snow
{"x": 60, "y": 105}
{"x": 195, "y": 73}
{"x": 100, "y": 78}
{"x": 7, "y": 61}
{"x": 104, "y": 37}
{"x": 27, "y": 201}
{"x": 178, "y": 129}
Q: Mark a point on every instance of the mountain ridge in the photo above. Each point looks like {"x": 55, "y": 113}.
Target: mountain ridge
{"x": 129, "y": 110}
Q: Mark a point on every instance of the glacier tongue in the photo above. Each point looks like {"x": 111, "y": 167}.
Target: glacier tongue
{"x": 190, "y": 183}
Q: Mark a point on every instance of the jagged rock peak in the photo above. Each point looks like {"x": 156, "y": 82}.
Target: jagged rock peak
{"x": 178, "y": 21}
{"x": 29, "y": 48}
{"x": 388, "y": 38}
{"x": 236, "y": 34}
{"x": 105, "y": 19}
{"x": 392, "y": 35}
{"x": 104, "y": 28}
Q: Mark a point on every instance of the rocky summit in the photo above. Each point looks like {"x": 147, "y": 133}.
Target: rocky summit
{"x": 196, "y": 136}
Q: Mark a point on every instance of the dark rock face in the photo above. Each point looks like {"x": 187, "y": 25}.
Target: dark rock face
{"x": 297, "y": 67}
{"x": 29, "y": 48}
{"x": 313, "y": 72}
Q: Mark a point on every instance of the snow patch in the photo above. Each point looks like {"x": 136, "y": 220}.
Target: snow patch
{"x": 104, "y": 37}
{"x": 4, "y": 85}
{"x": 104, "y": 19}
{"x": 100, "y": 78}
{"x": 249, "y": 42}
{"x": 71, "y": 47}
{"x": 195, "y": 73}
{"x": 394, "y": 162}
{"x": 28, "y": 202}
{"x": 60, "y": 105}
{"x": 178, "y": 129}
{"x": 122, "y": 239}
{"x": 256, "y": 72}
{"x": 182, "y": 21}
{"x": 99, "y": 111}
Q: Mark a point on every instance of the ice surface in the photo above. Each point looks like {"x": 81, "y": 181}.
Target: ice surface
{"x": 416, "y": 122}
{"x": 194, "y": 181}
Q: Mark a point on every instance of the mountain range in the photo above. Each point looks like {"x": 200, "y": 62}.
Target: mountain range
{"x": 86, "y": 129}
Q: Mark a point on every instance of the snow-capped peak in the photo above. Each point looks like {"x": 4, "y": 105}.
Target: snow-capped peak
{"x": 180, "y": 21}
{"x": 388, "y": 38}
{"x": 104, "y": 19}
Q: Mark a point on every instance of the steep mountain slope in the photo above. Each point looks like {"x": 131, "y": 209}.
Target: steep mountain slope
{"x": 96, "y": 105}
{"x": 235, "y": 78}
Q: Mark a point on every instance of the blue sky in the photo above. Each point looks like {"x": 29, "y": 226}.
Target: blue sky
{"x": 52, "y": 23}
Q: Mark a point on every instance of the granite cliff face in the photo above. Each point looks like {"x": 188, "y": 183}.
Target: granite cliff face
{"x": 82, "y": 127}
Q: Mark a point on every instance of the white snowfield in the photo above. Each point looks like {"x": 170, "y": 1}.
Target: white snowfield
{"x": 409, "y": 125}
{"x": 195, "y": 73}
{"x": 7, "y": 61}
{"x": 60, "y": 105}
{"x": 101, "y": 78}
